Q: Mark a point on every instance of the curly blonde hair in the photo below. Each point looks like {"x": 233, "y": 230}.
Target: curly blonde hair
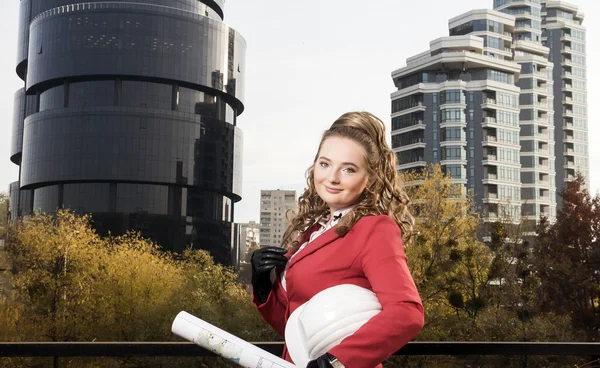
{"x": 383, "y": 195}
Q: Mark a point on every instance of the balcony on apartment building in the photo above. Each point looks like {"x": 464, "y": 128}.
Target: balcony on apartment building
{"x": 541, "y": 73}
{"x": 411, "y": 158}
{"x": 490, "y": 178}
{"x": 545, "y": 196}
{"x": 570, "y": 164}
{"x": 568, "y": 122}
{"x": 569, "y": 151}
{"x": 490, "y": 211}
{"x": 405, "y": 123}
{"x": 541, "y": 118}
{"x": 489, "y": 120}
{"x": 408, "y": 140}
{"x": 543, "y": 163}
{"x": 568, "y": 138}
{"x": 570, "y": 174}
{"x": 542, "y": 148}
{"x": 489, "y": 102}
{"x": 534, "y": 211}
{"x": 543, "y": 179}
{"x": 490, "y": 197}
{"x": 489, "y": 137}
{"x": 490, "y": 154}
{"x": 566, "y": 61}
{"x": 567, "y": 99}
{"x": 542, "y": 103}
{"x": 567, "y": 87}
{"x": 541, "y": 87}
{"x": 542, "y": 133}
{"x": 408, "y": 104}
{"x": 524, "y": 26}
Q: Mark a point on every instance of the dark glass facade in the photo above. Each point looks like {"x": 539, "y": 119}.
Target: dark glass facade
{"x": 129, "y": 113}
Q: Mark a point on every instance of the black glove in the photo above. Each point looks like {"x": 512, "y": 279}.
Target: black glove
{"x": 321, "y": 362}
{"x": 263, "y": 261}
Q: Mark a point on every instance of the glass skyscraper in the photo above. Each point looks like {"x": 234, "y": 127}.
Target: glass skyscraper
{"x": 129, "y": 112}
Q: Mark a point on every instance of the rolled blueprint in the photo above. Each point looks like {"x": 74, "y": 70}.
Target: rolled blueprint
{"x": 225, "y": 344}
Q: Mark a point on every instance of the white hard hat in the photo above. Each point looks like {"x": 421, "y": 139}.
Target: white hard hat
{"x": 326, "y": 319}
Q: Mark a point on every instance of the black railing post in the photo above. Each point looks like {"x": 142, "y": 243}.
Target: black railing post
{"x": 55, "y": 362}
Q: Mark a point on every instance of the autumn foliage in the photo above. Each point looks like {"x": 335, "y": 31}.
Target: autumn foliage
{"x": 69, "y": 284}
{"x": 567, "y": 255}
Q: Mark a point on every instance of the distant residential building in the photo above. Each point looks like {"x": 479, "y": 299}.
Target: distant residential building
{"x": 274, "y": 208}
{"x": 249, "y": 234}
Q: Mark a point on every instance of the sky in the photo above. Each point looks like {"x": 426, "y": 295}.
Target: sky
{"x": 307, "y": 63}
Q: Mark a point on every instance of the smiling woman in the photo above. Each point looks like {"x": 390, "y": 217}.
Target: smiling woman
{"x": 341, "y": 174}
{"x": 351, "y": 223}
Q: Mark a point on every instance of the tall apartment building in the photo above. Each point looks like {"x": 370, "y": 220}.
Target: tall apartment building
{"x": 519, "y": 118}
{"x": 274, "y": 206}
{"x": 457, "y": 105}
{"x": 538, "y": 187}
{"x": 128, "y": 112}
{"x": 564, "y": 35}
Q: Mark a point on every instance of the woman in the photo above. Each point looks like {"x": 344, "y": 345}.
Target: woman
{"x": 350, "y": 220}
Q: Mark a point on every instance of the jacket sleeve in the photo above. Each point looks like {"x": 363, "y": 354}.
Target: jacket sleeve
{"x": 274, "y": 308}
{"x": 401, "y": 319}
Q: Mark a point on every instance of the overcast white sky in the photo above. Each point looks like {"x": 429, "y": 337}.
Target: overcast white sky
{"x": 307, "y": 63}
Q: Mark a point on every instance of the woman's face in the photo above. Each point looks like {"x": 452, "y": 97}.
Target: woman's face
{"x": 340, "y": 173}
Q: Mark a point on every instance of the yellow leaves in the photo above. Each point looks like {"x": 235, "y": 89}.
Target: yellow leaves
{"x": 448, "y": 263}
{"x": 72, "y": 285}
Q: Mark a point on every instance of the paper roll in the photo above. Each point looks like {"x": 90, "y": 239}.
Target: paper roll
{"x": 225, "y": 344}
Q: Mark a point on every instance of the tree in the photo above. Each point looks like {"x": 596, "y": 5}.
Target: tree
{"x": 514, "y": 312}
{"x": 471, "y": 290}
{"x": 449, "y": 265}
{"x": 4, "y": 202}
{"x": 515, "y": 285}
{"x": 69, "y": 284}
{"x": 568, "y": 259}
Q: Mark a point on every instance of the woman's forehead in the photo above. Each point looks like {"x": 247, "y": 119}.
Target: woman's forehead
{"x": 338, "y": 148}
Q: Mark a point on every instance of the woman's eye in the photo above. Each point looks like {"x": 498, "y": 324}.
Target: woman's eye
{"x": 323, "y": 164}
{"x": 350, "y": 170}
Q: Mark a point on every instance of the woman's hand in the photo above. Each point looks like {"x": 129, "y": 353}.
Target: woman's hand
{"x": 324, "y": 361}
{"x": 264, "y": 260}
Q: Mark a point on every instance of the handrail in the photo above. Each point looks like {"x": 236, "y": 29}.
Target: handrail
{"x": 128, "y": 349}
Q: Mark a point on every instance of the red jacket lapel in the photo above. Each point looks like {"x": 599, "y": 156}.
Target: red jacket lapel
{"x": 321, "y": 241}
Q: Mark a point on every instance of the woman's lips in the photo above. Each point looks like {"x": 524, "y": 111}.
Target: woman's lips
{"x": 332, "y": 190}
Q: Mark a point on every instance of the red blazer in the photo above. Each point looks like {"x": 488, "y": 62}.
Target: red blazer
{"x": 370, "y": 255}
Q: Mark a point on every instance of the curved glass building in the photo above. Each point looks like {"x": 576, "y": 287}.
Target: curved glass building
{"x": 128, "y": 113}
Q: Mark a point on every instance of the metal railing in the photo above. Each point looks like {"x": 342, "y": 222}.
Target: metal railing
{"x": 187, "y": 349}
